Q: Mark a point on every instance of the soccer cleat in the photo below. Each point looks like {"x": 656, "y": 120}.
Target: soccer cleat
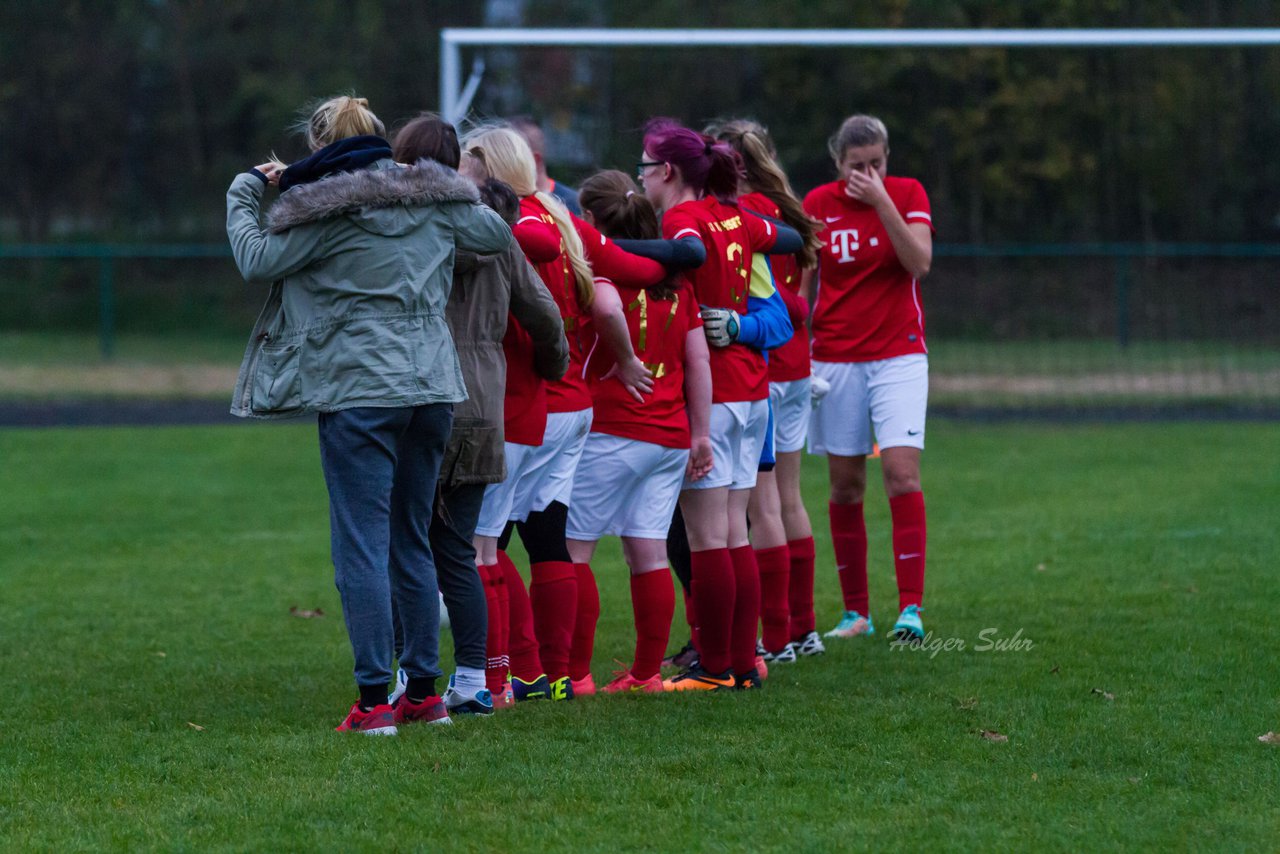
{"x": 909, "y": 628}
{"x": 787, "y": 655}
{"x": 686, "y": 657}
{"x": 562, "y": 689}
{"x": 762, "y": 669}
{"x": 810, "y": 644}
{"x": 851, "y": 625}
{"x": 506, "y": 699}
{"x": 626, "y": 683}
{"x": 697, "y": 679}
{"x": 429, "y": 711}
{"x": 479, "y": 703}
{"x": 584, "y": 687}
{"x": 402, "y": 684}
{"x": 380, "y": 720}
{"x": 751, "y": 680}
{"x": 538, "y": 689}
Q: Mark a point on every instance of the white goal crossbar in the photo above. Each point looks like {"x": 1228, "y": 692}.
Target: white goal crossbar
{"x": 455, "y": 99}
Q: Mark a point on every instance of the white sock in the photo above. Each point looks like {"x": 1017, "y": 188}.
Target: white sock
{"x": 468, "y": 681}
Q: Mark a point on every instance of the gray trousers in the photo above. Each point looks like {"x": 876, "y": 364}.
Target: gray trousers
{"x": 452, "y": 529}
{"x": 381, "y": 466}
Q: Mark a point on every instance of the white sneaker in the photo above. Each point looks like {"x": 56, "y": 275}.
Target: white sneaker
{"x": 810, "y": 644}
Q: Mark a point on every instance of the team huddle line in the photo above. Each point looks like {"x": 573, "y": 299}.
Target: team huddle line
{"x": 490, "y": 352}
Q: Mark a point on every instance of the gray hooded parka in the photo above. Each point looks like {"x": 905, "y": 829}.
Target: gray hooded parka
{"x": 360, "y": 265}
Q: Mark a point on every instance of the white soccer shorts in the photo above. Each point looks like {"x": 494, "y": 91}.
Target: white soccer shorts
{"x": 536, "y": 476}
{"x": 625, "y": 488}
{"x": 889, "y": 394}
{"x": 737, "y": 437}
{"x": 791, "y": 410}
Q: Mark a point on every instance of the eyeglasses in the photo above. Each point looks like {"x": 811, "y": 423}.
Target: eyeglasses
{"x": 645, "y": 164}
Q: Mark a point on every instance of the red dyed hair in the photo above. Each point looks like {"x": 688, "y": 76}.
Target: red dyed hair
{"x": 709, "y": 166}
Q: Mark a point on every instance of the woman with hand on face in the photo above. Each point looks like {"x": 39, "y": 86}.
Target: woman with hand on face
{"x": 869, "y": 345}
{"x": 359, "y": 254}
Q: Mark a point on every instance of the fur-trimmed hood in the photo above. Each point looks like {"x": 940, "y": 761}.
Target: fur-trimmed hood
{"x": 384, "y": 196}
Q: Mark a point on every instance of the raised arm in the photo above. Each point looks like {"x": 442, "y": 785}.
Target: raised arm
{"x": 260, "y": 255}
{"x": 781, "y": 238}
{"x": 684, "y": 254}
{"x": 613, "y": 263}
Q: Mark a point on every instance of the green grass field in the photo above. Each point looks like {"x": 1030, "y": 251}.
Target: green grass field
{"x": 160, "y": 696}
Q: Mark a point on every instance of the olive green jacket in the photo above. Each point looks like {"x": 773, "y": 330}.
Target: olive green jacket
{"x": 485, "y": 289}
{"x": 361, "y": 266}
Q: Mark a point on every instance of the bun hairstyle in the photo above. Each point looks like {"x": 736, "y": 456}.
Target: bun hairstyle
{"x": 430, "y": 137}
{"x": 506, "y": 156}
{"x": 620, "y": 210}
{"x": 855, "y": 132}
{"x": 708, "y": 166}
{"x": 763, "y": 175}
{"x": 338, "y": 118}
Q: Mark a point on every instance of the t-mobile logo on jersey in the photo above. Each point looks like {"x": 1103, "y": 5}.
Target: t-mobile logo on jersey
{"x": 844, "y": 243}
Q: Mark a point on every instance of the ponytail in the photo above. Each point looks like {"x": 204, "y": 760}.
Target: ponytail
{"x": 765, "y": 176}
{"x": 583, "y": 278}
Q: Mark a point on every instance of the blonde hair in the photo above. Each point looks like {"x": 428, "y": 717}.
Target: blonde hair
{"x": 506, "y": 155}
{"x": 338, "y": 118}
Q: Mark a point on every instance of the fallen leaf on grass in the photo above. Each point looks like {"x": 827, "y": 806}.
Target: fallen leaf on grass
{"x": 992, "y": 735}
{"x": 305, "y": 613}
{"x": 1106, "y": 695}
{"x": 195, "y": 727}
{"x": 1055, "y": 669}
{"x": 158, "y": 654}
{"x": 1040, "y": 567}
{"x": 1034, "y": 777}
{"x": 435, "y": 769}
{"x": 1270, "y": 738}
{"x": 967, "y": 703}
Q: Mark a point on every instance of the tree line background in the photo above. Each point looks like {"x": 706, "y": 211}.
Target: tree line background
{"x": 126, "y": 120}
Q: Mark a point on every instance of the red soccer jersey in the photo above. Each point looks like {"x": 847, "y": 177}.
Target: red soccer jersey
{"x": 569, "y": 394}
{"x": 791, "y": 360}
{"x": 524, "y": 404}
{"x": 868, "y": 305}
{"x": 658, "y": 329}
{"x": 731, "y": 238}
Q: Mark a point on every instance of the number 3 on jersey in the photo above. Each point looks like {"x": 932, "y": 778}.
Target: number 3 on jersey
{"x": 736, "y": 255}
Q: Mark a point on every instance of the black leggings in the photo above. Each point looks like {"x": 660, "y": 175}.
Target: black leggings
{"x": 542, "y": 534}
{"x": 678, "y": 553}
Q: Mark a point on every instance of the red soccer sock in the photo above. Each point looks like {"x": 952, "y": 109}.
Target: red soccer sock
{"x": 584, "y": 628}
{"x": 553, "y": 593}
{"x": 495, "y": 668}
{"x": 653, "y": 601}
{"x": 908, "y": 546}
{"x": 713, "y": 586}
{"x": 504, "y": 619}
{"x": 522, "y": 643}
{"x": 849, "y": 540}
{"x": 800, "y": 589}
{"x": 746, "y": 608}
{"x": 775, "y": 611}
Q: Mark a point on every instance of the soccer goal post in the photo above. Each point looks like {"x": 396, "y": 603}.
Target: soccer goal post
{"x": 455, "y": 96}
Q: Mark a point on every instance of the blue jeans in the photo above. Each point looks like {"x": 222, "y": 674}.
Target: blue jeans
{"x": 452, "y": 530}
{"x": 381, "y": 466}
